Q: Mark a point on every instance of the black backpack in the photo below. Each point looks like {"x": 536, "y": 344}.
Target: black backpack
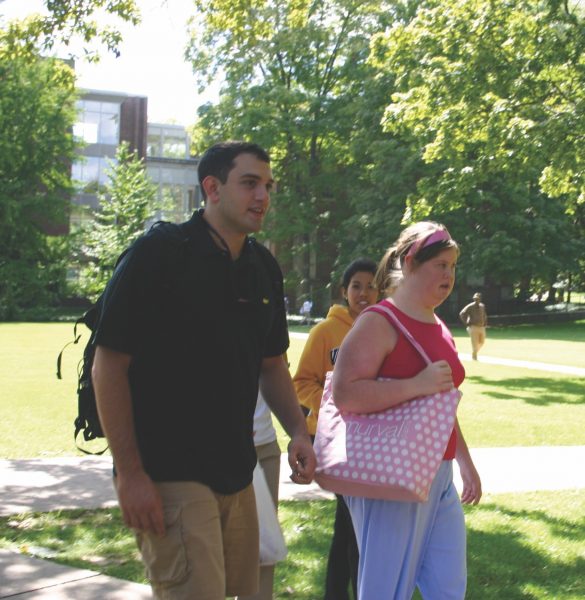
{"x": 87, "y": 421}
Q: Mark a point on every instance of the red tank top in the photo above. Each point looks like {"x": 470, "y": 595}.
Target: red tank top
{"x": 405, "y": 361}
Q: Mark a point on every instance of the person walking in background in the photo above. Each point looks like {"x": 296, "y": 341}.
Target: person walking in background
{"x": 190, "y": 327}
{"x": 305, "y": 311}
{"x": 318, "y": 357}
{"x": 404, "y": 545}
{"x": 474, "y": 317}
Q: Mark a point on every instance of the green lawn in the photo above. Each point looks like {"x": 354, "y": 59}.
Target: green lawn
{"x": 549, "y": 406}
{"x": 520, "y": 546}
{"x": 561, "y": 343}
{"x": 37, "y": 410}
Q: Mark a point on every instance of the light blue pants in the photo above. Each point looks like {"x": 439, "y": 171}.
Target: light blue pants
{"x": 403, "y": 545}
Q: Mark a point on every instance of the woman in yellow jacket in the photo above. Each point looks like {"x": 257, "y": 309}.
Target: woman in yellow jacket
{"x": 317, "y": 358}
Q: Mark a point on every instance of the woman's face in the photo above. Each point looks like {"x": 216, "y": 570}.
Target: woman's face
{"x": 435, "y": 278}
{"x": 360, "y": 292}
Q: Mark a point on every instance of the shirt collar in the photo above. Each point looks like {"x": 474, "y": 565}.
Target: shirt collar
{"x": 200, "y": 233}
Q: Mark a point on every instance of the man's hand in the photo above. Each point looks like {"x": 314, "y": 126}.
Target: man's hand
{"x": 301, "y": 459}
{"x": 140, "y": 503}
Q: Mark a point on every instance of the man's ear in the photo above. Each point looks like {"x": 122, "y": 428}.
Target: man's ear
{"x": 211, "y": 187}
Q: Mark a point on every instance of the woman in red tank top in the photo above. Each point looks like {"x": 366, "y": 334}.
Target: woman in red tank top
{"x": 404, "y": 545}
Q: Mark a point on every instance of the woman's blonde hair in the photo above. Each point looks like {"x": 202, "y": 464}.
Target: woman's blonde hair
{"x": 423, "y": 240}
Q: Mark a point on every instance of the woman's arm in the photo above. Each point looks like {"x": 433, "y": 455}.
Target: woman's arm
{"x": 471, "y": 493}
{"x": 355, "y": 385}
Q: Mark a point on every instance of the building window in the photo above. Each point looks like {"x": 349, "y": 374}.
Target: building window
{"x": 174, "y": 147}
{"x": 166, "y": 142}
{"x": 98, "y": 122}
{"x": 91, "y": 172}
{"x": 153, "y": 145}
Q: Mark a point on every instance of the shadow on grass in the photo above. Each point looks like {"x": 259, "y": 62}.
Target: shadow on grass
{"x": 87, "y": 539}
{"x": 536, "y": 391}
{"x": 308, "y": 528}
{"x": 513, "y": 553}
{"x": 504, "y": 561}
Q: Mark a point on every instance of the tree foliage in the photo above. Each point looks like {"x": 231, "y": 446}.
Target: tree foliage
{"x": 294, "y": 77}
{"x": 469, "y": 112}
{"x": 37, "y": 113}
{"x": 36, "y": 148}
{"x": 491, "y": 94}
{"x": 126, "y": 205}
{"x": 66, "y": 21}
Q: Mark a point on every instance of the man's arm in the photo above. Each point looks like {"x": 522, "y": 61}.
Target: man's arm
{"x": 278, "y": 391}
{"x": 463, "y": 315}
{"x": 138, "y": 497}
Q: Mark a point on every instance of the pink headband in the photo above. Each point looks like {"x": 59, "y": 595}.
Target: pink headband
{"x": 439, "y": 235}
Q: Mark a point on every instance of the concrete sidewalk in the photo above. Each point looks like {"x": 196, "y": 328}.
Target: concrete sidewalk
{"x": 85, "y": 482}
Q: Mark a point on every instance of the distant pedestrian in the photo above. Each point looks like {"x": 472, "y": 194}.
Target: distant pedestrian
{"x": 474, "y": 317}
{"x": 306, "y": 308}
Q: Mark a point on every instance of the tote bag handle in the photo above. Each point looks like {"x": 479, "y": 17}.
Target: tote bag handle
{"x": 402, "y": 328}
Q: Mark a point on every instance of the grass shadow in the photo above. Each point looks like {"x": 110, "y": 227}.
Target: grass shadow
{"x": 535, "y": 391}
{"x": 504, "y": 563}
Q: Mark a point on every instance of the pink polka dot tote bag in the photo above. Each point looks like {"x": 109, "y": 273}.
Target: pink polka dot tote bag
{"x": 393, "y": 454}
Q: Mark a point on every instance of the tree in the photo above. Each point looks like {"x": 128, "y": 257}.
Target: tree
{"x": 295, "y": 74}
{"x": 68, "y": 20}
{"x": 126, "y": 205}
{"x": 36, "y": 149}
{"x": 491, "y": 93}
{"x": 37, "y": 113}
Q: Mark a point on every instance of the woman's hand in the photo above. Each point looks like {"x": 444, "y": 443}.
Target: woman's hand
{"x": 436, "y": 377}
{"x": 471, "y": 492}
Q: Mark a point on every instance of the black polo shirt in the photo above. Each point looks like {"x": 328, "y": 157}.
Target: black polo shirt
{"x": 197, "y": 325}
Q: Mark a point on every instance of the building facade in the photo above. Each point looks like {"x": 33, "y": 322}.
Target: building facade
{"x": 105, "y": 120}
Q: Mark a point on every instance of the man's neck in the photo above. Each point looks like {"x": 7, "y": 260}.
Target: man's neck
{"x": 229, "y": 241}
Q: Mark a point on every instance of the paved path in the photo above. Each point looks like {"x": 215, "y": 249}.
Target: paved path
{"x": 85, "y": 482}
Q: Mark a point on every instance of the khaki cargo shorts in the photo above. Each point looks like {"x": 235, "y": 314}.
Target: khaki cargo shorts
{"x": 210, "y": 549}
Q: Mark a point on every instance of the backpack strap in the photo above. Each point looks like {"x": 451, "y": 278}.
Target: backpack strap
{"x": 76, "y": 338}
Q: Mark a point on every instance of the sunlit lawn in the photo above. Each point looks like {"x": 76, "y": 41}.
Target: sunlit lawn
{"x": 520, "y": 546}
{"x": 37, "y": 410}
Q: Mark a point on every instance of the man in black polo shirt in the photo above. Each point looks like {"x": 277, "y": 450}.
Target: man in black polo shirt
{"x": 192, "y": 320}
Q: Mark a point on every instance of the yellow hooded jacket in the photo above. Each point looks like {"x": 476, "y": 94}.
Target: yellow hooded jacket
{"x": 316, "y": 360}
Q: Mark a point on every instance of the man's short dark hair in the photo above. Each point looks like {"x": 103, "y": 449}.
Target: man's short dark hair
{"x": 218, "y": 160}
{"x": 359, "y": 265}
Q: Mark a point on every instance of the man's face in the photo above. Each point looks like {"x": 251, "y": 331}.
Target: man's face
{"x": 241, "y": 203}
